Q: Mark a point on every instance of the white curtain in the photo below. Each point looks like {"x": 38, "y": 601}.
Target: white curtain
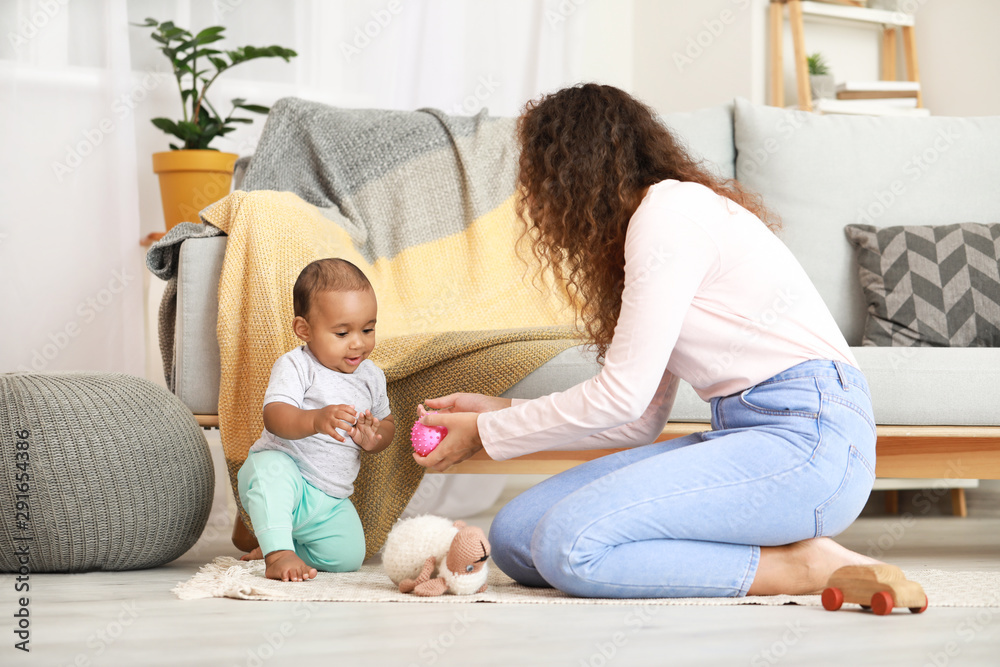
{"x": 79, "y": 85}
{"x": 70, "y": 264}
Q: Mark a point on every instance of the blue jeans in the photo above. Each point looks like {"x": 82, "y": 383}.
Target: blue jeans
{"x": 788, "y": 459}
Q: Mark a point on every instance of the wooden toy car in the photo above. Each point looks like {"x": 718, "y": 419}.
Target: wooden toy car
{"x": 878, "y": 587}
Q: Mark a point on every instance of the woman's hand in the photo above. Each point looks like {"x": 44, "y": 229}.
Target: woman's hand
{"x": 463, "y": 402}
{"x": 461, "y": 442}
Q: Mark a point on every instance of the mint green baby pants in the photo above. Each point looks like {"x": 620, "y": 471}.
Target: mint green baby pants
{"x": 290, "y": 513}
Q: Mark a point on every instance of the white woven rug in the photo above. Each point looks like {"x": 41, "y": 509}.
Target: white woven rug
{"x": 227, "y": 577}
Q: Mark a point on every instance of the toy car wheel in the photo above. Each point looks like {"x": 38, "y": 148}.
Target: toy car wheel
{"x": 833, "y": 599}
{"x": 882, "y": 603}
{"x": 920, "y": 610}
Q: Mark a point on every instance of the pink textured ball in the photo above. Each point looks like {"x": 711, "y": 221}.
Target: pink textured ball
{"x": 426, "y": 438}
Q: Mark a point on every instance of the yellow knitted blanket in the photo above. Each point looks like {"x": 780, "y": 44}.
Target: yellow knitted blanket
{"x": 459, "y": 313}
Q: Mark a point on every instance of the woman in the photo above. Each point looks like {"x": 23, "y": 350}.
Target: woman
{"x": 679, "y": 276}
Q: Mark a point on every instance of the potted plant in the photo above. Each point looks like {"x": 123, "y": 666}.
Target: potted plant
{"x": 193, "y": 174}
{"x": 821, "y": 82}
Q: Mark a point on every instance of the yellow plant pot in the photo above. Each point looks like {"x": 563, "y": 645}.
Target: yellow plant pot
{"x": 190, "y": 180}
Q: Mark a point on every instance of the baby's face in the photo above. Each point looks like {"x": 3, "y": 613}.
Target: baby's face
{"x": 341, "y": 331}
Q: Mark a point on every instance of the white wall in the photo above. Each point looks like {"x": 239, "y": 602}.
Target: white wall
{"x": 691, "y": 55}
{"x": 957, "y": 47}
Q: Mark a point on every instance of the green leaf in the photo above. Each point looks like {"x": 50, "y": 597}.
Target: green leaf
{"x": 167, "y": 125}
{"x": 183, "y": 49}
{"x": 174, "y": 147}
{"x": 211, "y": 31}
{"x": 256, "y": 108}
{"x": 188, "y": 129}
{"x": 175, "y": 33}
{"x": 208, "y": 40}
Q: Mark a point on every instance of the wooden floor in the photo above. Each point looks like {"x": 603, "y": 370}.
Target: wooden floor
{"x": 132, "y": 618}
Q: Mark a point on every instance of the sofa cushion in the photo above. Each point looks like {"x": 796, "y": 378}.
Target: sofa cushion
{"x": 930, "y": 285}
{"x": 932, "y": 385}
{"x": 910, "y": 386}
{"x": 821, "y": 173}
{"x": 708, "y": 135}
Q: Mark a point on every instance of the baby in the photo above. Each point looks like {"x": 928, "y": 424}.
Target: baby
{"x": 324, "y": 404}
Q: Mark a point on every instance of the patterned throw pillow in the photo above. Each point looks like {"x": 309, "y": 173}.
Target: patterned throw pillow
{"x": 930, "y": 285}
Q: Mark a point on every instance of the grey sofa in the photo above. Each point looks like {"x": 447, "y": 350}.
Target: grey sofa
{"x": 936, "y": 407}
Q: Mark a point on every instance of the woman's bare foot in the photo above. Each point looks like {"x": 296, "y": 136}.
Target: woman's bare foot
{"x": 802, "y": 568}
{"x": 285, "y": 565}
{"x": 256, "y": 554}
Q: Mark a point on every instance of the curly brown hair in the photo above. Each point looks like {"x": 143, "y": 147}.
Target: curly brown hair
{"x": 588, "y": 154}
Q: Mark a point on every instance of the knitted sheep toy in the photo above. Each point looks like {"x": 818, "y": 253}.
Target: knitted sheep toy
{"x": 429, "y": 555}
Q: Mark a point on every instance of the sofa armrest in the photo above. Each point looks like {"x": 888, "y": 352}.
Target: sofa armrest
{"x": 197, "y": 365}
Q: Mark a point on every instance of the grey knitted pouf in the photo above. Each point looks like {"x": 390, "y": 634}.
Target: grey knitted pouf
{"x": 99, "y": 472}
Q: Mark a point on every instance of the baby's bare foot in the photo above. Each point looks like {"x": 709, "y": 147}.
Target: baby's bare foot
{"x": 256, "y": 554}
{"x": 285, "y": 565}
{"x": 802, "y": 568}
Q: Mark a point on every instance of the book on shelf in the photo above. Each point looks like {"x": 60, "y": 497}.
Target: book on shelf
{"x": 895, "y": 102}
{"x": 876, "y": 94}
{"x": 867, "y": 108}
{"x": 878, "y": 86}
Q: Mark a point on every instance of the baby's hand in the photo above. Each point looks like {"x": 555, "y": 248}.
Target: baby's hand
{"x": 327, "y": 420}
{"x": 364, "y": 432}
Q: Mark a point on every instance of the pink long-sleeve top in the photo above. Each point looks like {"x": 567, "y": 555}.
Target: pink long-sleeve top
{"x": 711, "y": 296}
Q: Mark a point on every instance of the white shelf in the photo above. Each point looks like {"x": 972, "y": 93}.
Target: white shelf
{"x": 895, "y": 484}
{"x": 868, "y": 15}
